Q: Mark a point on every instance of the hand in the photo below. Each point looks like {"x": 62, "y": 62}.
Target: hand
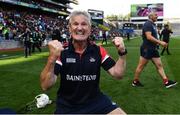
{"x": 164, "y": 44}
{"x": 118, "y": 42}
{"x": 55, "y": 48}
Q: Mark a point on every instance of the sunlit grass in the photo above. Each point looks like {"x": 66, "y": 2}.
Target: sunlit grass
{"x": 19, "y": 79}
{"x": 20, "y": 58}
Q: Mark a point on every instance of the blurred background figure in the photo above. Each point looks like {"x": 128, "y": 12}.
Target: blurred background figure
{"x": 56, "y": 35}
{"x": 27, "y": 42}
{"x": 165, "y": 34}
{"x": 36, "y": 37}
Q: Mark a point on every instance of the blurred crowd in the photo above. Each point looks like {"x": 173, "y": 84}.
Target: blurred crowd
{"x": 14, "y": 25}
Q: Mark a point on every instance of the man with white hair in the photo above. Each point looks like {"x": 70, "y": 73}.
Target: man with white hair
{"x": 149, "y": 51}
{"x": 79, "y": 68}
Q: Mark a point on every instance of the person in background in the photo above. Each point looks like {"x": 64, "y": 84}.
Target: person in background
{"x": 104, "y": 37}
{"x": 159, "y": 32}
{"x": 165, "y": 35}
{"x": 36, "y": 38}
{"x": 56, "y": 35}
{"x": 79, "y": 68}
{"x": 27, "y": 42}
{"x": 128, "y": 36}
{"x": 149, "y": 51}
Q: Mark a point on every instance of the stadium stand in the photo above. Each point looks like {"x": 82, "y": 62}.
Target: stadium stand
{"x": 18, "y": 15}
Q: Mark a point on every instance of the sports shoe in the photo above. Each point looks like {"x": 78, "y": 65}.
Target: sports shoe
{"x": 170, "y": 84}
{"x": 137, "y": 84}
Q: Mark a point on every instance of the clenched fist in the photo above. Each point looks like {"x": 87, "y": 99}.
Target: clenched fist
{"x": 118, "y": 42}
{"x": 55, "y": 48}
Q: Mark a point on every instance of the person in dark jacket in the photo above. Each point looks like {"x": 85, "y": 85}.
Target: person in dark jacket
{"x": 27, "y": 42}
{"x": 36, "y": 38}
{"x": 56, "y": 35}
{"x": 165, "y": 34}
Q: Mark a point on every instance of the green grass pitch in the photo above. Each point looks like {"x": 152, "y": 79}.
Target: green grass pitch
{"x": 19, "y": 82}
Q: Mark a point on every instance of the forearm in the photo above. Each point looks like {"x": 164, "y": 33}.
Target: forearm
{"x": 118, "y": 70}
{"x": 153, "y": 39}
{"x": 47, "y": 75}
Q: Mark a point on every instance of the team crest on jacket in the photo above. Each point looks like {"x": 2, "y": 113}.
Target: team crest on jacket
{"x": 92, "y": 59}
{"x": 70, "y": 60}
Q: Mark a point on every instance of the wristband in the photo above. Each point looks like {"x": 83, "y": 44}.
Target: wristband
{"x": 122, "y": 53}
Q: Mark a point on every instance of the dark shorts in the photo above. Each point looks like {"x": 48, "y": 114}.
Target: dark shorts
{"x": 101, "y": 105}
{"x": 149, "y": 53}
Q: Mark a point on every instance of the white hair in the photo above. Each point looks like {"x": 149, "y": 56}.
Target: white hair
{"x": 77, "y": 13}
{"x": 151, "y": 14}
